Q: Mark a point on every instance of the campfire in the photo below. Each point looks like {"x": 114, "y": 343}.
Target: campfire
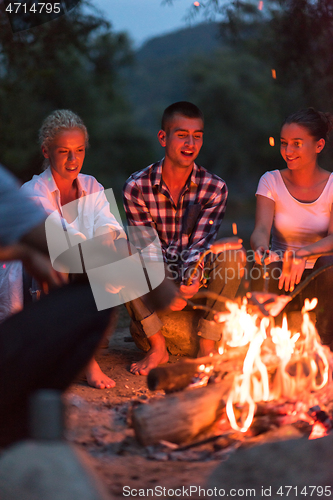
{"x": 264, "y": 377}
{"x": 278, "y": 364}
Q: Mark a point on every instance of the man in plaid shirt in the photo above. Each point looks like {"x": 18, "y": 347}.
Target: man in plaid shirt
{"x": 185, "y": 204}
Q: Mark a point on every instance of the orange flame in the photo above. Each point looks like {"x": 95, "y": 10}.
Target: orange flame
{"x": 302, "y": 367}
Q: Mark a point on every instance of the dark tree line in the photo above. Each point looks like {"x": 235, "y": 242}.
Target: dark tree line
{"x": 244, "y": 104}
{"x": 72, "y": 62}
{"x": 77, "y": 61}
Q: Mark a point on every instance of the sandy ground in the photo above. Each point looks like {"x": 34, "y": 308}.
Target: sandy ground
{"x": 97, "y": 421}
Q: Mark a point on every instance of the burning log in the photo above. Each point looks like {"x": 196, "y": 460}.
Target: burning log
{"x": 177, "y": 376}
{"x": 180, "y": 417}
{"x": 260, "y": 363}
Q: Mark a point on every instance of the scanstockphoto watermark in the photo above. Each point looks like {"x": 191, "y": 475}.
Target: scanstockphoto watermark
{"x": 117, "y": 271}
{"x": 26, "y": 14}
{"x": 188, "y": 491}
{"x": 259, "y": 492}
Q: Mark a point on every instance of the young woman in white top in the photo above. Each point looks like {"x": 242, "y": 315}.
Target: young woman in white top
{"x": 295, "y": 206}
{"x": 63, "y": 139}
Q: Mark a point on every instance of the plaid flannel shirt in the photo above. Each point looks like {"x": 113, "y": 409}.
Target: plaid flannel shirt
{"x": 185, "y": 230}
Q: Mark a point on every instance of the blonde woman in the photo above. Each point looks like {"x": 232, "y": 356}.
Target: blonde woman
{"x": 63, "y": 140}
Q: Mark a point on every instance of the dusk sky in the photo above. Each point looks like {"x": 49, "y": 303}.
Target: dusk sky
{"x": 144, "y": 19}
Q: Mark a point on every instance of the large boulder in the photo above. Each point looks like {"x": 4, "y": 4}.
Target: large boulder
{"x": 48, "y": 470}
{"x": 294, "y": 469}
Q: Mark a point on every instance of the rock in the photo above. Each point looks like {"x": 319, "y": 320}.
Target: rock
{"x": 48, "y": 471}
{"x": 273, "y": 468}
{"x": 179, "y": 330}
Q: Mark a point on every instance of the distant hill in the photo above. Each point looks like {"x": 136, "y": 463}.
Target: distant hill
{"x": 202, "y": 38}
{"x": 159, "y": 75}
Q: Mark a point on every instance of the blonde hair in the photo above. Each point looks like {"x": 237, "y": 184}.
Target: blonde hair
{"x": 59, "y": 120}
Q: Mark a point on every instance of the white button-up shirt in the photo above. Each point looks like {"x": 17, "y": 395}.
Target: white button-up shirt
{"x": 93, "y": 213}
{"x": 93, "y": 206}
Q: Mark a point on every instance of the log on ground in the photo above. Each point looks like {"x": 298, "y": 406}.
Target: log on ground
{"x": 177, "y": 376}
{"x": 179, "y": 417}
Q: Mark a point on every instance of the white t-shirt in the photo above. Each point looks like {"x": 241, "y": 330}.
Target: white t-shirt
{"x": 296, "y": 224}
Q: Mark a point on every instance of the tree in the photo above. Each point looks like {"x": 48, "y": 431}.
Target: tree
{"x": 295, "y": 37}
{"x": 241, "y": 105}
{"x": 72, "y": 62}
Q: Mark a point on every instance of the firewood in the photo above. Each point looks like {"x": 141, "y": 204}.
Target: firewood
{"x": 173, "y": 377}
{"x": 177, "y": 376}
{"x": 284, "y": 433}
{"x": 179, "y": 417}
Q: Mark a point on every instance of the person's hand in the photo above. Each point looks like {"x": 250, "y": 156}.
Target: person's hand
{"x": 266, "y": 303}
{"x": 108, "y": 247}
{"x": 265, "y": 256}
{"x": 185, "y": 292}
{"x": 112, "y": 288}
{"x": 292, "y": 271}
{"x": 39, "y": 266}
{"x": 178, "y": 304}
{"x": 272, "y": 257}
{"x": 188, "y": 291}
{"x": 259, "y": 254}
{"x": 105, "y": 238}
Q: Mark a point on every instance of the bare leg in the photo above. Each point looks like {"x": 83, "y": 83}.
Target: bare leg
{"x": 156, "y": 355}
{"x": 96, "y": 378}
{"x": 206, "y": 346}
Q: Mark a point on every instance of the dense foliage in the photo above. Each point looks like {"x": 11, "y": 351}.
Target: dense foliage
{"x": 71, "y": 62}
{"x": 78, "y": 62}
{"x": 235, "y": 86}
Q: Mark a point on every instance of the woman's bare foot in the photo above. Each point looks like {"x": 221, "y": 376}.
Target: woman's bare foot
{"x": 156, "y": 355}
{"x": 96, "y": 378}
{"x": 206, "y": 346}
